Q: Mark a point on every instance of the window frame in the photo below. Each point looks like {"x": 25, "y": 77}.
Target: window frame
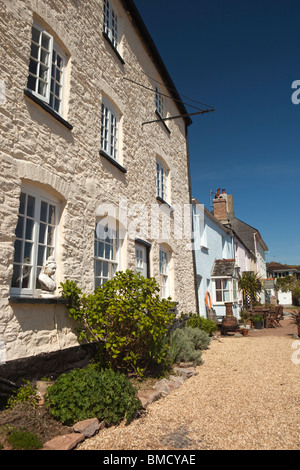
{"x": 111, "y": 113}
{"x": 162, "y": 180}
{"x": 113, "y": 264}
{"x": 160, "y": 105}
{"x": 164, "y": 274}
{"x": 232, "y": 290}
{"x": 54, "y": 49}
{"x": 40, "y": 197}
{"x": 109, "y": 15}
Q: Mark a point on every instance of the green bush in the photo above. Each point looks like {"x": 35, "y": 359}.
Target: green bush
{"x": 24, "y": 440}
{"x": 26, "y": 392}
{"x": 126, "y": 317}
{"x": 87, "y": 393}
{"x": 205, "y": 324}
{"x": 186, "y": 345}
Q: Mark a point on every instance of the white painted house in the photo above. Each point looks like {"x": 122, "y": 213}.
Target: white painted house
{"x": 216, "y": 269}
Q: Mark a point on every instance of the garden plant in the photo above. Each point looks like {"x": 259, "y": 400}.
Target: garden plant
{"x": 126, "y": 318}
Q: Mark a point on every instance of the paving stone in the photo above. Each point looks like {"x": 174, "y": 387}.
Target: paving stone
{"x": 88, "y": 427}
{"x": 149, "y": 396}
{"x": 185, "y": 373}
{"x": 65, "y": 442}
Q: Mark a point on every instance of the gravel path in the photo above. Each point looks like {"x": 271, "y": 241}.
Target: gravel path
{"x": 246, "y": 396}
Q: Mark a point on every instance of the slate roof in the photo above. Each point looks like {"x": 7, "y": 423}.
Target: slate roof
{"x": 245, "y": 232}
{"x": 223, "y": 267}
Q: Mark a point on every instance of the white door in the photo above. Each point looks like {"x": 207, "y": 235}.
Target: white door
{"x": 141, "y": 263}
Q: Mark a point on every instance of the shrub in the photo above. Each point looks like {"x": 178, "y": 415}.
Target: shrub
{"x": 26, "y": 392}
{"x": 186, "y": 345}
{"x": 88, "y": 393}
{"x": 126, "y": 317}
{"x": 24, "y": 440}
{"x": 205, "y": 324}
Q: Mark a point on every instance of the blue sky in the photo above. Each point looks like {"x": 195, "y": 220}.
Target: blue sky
{"x": 241, "y": 57}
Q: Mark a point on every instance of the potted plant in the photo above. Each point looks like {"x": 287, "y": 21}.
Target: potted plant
{"x": 258, "y": 321}
{"x": 295, "y": 320}
{"x": 244, "y": 316}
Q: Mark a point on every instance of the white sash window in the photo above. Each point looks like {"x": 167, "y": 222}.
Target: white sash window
{"x": 109, "y": 130}
{"x": 46, "y": 69}
{"x": 105, "y": 253}
{"x": 35, "y": 240}
{"x": 111, "y": 23}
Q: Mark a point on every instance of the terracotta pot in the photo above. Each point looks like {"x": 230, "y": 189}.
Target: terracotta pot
{"x": 244, "y": 332}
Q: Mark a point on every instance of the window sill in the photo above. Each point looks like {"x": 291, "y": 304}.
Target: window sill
{"x": 37, "y": 300}
{"x": 160, "y": 199}
{"x": 112, "y": 161}
{"x": 113, "y": 48}
{"x": 162, "y": 121}
{"x": 48, "y": 109}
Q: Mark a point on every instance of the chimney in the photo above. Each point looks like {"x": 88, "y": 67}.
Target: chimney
{"x": 230, "y": 208}
{"x": 220, "y": 209}
{"x": 220, "y": 205}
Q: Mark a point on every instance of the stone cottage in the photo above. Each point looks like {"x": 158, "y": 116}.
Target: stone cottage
{"x": 94, "y": 170}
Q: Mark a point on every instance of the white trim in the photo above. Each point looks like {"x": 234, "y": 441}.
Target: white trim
{"x": 160, "y": 102}
{"x": 52, "y": 47}
{"x": 39, "y": 196}
{"x": 111, "y": 27}
{"x": 164, "y": 272}
{"x": 112, "y": 262}
{"x": 106, "y": 139}
{"x": 162, "y": 180}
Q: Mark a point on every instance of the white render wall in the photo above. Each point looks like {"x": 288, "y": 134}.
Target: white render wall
{"x": 212, "y": 242}
{"x": 38, "y": 150}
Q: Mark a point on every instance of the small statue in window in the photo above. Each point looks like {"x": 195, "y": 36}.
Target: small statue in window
{"x": 46, "y": 277}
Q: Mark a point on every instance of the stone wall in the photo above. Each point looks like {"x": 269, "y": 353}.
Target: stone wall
{"x": 41, "y": 151}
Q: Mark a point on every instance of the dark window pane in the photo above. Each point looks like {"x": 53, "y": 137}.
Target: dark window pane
{"x": 35, "y": 35}
{"x": 41, "y": 252}
{"x": 18, "y": 251}
{"x": 29, "y": 229}
{"x": 97, "y": 268}
{"x": 31, "y": 83}
{"x": 27, "y": 252}
{"x": 33, "y": 66}
{"x": 30, "y": 206}
{"x": 22, "y": 203}
{"x": 19, "y": 228}
{"x": 44, "y": 210}
{"x": 15, "y": 282}
{"x": 26, "y": 276}
{"x": 56, "y": 105}
{"x": 42, "y": 233}
{"x": 45, "y": 42}
{"x": 50, "y": 238}
{"x": 105, "y": 270}
{"x": 34, "y": 51}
